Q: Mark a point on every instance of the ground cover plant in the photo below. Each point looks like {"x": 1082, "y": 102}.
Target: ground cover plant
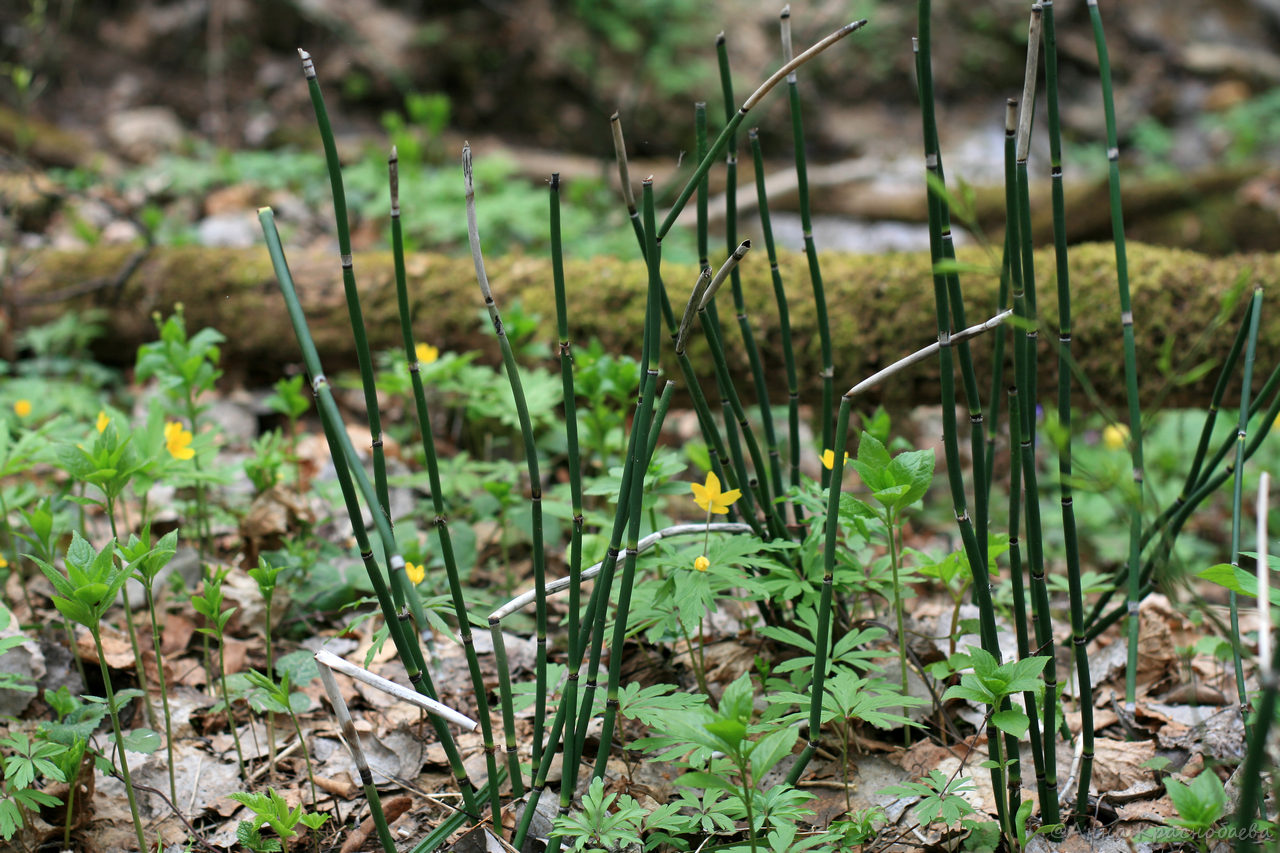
{"x": 564, "y": 486}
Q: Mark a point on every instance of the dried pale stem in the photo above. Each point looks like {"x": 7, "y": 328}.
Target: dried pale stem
{"x": 352, "y": 738}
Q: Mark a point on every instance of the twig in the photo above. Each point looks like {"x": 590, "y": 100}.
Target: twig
{"x": 329, "y": 660}
{"x": 921, "y": 354}
{"x": 525, "y": 599}
{"x": 191, "y": 829}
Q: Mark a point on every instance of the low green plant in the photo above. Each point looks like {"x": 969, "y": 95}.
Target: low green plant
{"x": 26, "y": 761}
{"x": 896, "y": 483}
{"x": 279, "y": 698}
{"x": 146, "y": 561}
{"x": 216, "y": 617}
{"x": 270, "y": 809}
{"x": 83, "y": 595}
{"x": 726, "y": 751}
{"x": 288, "y": 399}
{"x": 1200, "y": 806}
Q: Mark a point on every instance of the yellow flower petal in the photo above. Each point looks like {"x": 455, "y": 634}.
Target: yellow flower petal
{"x": 709, "y": 498}
{"x": 4, "y": 564}
{"x": 829, "y": 458}
{"x": 22, "y": 408}
{"x": 415, "y": 572}
{"x": 1115, "y": 436}
{"x": 178, "y": 441}
{"x": 426, "y": 353}
{"x": 701, "y": 564}
{"x": 103, "y": 420}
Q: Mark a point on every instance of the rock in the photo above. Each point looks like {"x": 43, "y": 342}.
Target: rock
{"x": 144, "y": 132}
{"x": 24, "y": 664}
{"x": 229, "y": 231}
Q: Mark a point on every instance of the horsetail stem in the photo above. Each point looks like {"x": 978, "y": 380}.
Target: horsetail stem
{"x": 640, "y": 429}
{"x": 764, "y": 499}
{"x": 1268, "y": 664}
{"x": 569, "y": 699}
{"x": 784, "y": 324}
{"x": 1070, "y": 539}
{"x": 770, "y": 478}
{"x": 1237, "y": 494}
{"x": 810, "y": 248}
{"x": 340, "y": 449}
{"x": 349, "y": 281}
{"x": 1041, "y": 618}
{"x": 974, "y": 552}
{"x": 822, "y": 639}
{"x": 440, "y": 522}
{"x": 530, "y": 452}
{"x": 1130, "y": 355}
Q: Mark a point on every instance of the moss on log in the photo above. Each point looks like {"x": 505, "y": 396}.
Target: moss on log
{"x": 881, "y": 309}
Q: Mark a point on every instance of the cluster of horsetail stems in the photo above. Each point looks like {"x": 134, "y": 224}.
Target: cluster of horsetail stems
{"x": 756, "y": 467}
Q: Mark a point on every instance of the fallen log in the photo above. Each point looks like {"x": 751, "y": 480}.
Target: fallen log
{"x": 881, "y": 308}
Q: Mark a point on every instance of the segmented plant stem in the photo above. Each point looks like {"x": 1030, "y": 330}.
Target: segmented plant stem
{"x": 810, "y": 247}
{"x": 349, "y": 282}
{"x": 441, "y": 520}
{"x": 640, "y": 428}
{"x": 822, "y": 640}
{"x": 530, "y": 453}
{"x": 974, "y": 552}
{"x": 570, "y": 697}
{"x": 1130, "y": 354}
{"x": 770, "y": 478}
{"x": 784, "y": 323}
{"x": 1041, "y": 617}
{"x": 1237, "y": 495}
{"x": 1084, "y": 691}
{"x": 402, "y": 635}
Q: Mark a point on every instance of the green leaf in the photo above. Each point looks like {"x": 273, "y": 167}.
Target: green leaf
{"x": 141, "y": 740}
{"x": 709, "y": 781}
{"x": 1012, "y": 722}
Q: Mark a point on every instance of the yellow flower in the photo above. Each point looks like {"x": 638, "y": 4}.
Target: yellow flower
{"x": 22, "y": 408}
{"x": 4, "y": 564}
{"x": 701, "y": 564}
{"x": 178, "y": 441}
{"x": 414, "y": 572}
{"x": 103, "y": 420}
{"x": 709, "y": 497}
{"x": 829, "y": 458}
{"x": 426, "y": 353}
{"x": 1115, "y": 436}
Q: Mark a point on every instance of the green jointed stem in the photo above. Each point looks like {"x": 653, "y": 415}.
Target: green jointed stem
{"x": 1237, "y": 494}
{"x": 822, "y": 641}
{"x": 349, "y": 281}
{"x": 530, "y": 453}
{"x": 1084, "y": 682}
{"x": 1041, "y": 616}
{"x": 784, "y": 322}
{"x": 1130, "y": 355}
{"x": 570, "y": 696}
{"x": 810, "y": 248}
{"x": 441, "y": 521}
{"x": 764, "y": 500}
{"x": 771, "y": 479}
{"x": 974, "y": 552}
{"x": 639, "y": 462}
{"x": 406, "y": 642}
{"x": 1008, "y": 260}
